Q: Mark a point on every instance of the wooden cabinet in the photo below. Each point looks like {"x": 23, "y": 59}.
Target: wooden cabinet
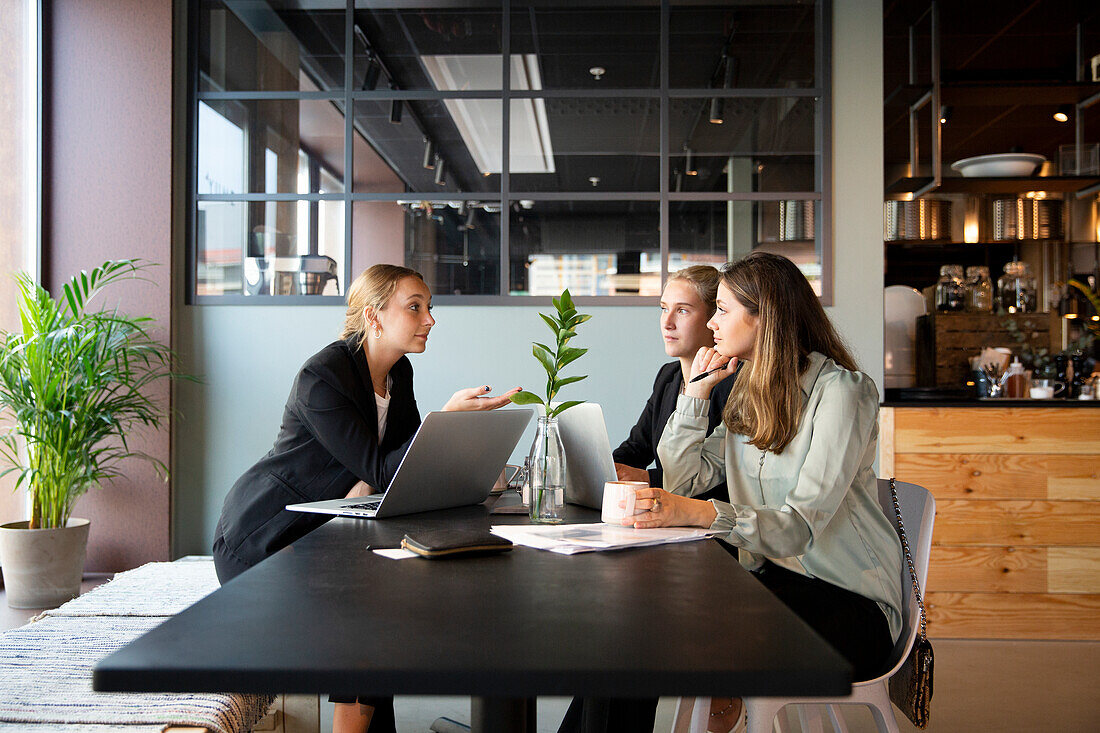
{"x": 1016, "y": 546}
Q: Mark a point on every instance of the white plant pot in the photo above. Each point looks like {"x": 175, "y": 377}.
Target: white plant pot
{"x": 42, "y": 567}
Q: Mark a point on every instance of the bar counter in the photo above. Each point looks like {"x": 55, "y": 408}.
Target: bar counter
{"x": 1016, "y": 546}
{"x": 998, "y": 402}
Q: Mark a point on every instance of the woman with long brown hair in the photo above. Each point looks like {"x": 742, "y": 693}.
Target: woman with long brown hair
{"x": 796, "y": 448}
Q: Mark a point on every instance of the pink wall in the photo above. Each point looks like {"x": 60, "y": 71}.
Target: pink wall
{"x": 107, "y": 191}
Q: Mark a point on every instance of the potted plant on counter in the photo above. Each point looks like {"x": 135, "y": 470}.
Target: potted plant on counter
{"x": 74, "y": 384}
{"x": 546, "y": 462}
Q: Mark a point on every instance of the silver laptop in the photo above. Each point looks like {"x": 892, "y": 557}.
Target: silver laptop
{"x": 588, "y": 461}
{"x": 454, "y": 460}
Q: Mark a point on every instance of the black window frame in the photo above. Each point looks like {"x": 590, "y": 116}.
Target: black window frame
{"x": 821, "y": 92}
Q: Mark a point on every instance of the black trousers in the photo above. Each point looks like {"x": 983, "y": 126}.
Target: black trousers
{"x": 854, "y": 625}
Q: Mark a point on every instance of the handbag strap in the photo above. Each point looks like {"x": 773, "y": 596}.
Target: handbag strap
{"x": 909, "y": 561}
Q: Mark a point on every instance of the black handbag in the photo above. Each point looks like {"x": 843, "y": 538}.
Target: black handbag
{"x": 911, "y": 685}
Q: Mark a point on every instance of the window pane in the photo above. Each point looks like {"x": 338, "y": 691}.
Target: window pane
{"x": 392, "y": 145}
{"x": 454, "y": 245}
{"x": 590, "y": 247}
{"x": 270, "y": 46}
{"x": 270, "y": 146}
{"x": 567, "y": 47}
{"x": 563, "y": 144}
{"x": 709, "y": 232}
{"x": 760, "y": 145}
{"x": 766, "y": 45}
{"x": 420, "y": 45}
{"x": 270, "y": 247}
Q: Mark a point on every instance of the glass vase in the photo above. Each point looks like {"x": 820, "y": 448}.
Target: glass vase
{"x": 546, "y": 474}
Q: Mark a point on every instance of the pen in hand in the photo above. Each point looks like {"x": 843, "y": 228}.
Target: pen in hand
{"x": 704, "y": 375}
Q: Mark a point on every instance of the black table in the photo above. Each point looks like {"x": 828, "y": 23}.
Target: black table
{"x": 326, "y": 615}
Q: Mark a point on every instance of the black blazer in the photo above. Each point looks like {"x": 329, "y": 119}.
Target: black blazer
{"x": 327, "y": 442}
{"x": 640, "y": 447}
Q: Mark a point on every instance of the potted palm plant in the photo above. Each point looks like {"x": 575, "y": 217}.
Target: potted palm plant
{"x": 74, "y": 383}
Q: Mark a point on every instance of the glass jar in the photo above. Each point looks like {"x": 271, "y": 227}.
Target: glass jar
{"x": 979, "y": 290}
{"x": 1016, "y": 289}
{"x": 546, "y": 474}
{"x": 950, "y": 289}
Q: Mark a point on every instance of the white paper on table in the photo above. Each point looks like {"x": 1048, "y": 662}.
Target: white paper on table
{"x": 570, "y": 539}
{"x": 397, "y": 553}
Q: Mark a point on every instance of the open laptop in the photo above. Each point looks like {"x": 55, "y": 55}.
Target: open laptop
{"x": 454, "y": 459}
{"x": 588, "y": 461}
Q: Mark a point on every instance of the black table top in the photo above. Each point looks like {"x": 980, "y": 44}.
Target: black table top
{"x": 326, "y": 615}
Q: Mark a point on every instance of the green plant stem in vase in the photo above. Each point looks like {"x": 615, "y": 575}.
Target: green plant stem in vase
{"x": 546, "y": 464}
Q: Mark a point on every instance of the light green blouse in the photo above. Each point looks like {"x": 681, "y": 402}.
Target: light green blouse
{"x": 811, "y": 509}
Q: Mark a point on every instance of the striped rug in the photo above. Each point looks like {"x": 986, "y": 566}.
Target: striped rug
{"x": 46, "y": 666}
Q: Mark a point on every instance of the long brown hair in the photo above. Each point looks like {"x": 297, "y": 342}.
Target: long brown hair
{"x": 372, "y": 289}
{"x": 765, "y": 403}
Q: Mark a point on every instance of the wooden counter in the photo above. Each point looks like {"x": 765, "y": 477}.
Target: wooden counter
{"x": 1016, "y": 547}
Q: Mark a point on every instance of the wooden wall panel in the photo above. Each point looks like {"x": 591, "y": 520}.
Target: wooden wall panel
{"x": 1009, "y": 523}
{"x": 1014, "y": 569}
{"x": 988, "y": 569}
{"x": 1074, "y": 570}
{"x": 976, "y": 476}
{"x": 996, "y": 430}
{"x": 1014, "y": 616}
{"x": 1016, "y": 546}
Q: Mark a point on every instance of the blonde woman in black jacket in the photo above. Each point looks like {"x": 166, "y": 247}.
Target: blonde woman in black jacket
{"x": 347, "y": 424}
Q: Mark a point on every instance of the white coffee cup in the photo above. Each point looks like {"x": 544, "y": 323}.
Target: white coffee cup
{"x": 1042, "y": 393}
{"x": 615, "y": 492}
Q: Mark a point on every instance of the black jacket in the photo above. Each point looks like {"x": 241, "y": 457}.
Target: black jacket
{"x": 327, "y": 442}
{"x": 640, "y": 447}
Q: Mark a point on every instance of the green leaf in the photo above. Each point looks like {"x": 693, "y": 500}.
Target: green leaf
{"x": 567, "y": 299}
{"x": 565, "y": 406}
{"x": 554, "y": 325}
{"x": 577, "y": 320}
{"x": 557, "y": 304}
{"x": 568, "y": 355}
{"x": 545, "y": 358}
{"x": 559, "y": 383}
{"x": 526, "y": 398}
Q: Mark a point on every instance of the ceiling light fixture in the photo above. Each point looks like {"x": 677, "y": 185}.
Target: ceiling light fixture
{"x": 370, "y": 78}
{"x": 716, "y": 111}
{"x": 717, "y": 103}
{"x": 1063, "y": 113}
{"x": 945, "y": 114}
{"x": 478, "y": 120}
{"x": 594, "y": 180}
{"x": 440, "y": 173}
{"x": 429, "y": 154}
{"x": 597, "y": 72}
{"x": 689, "y": 163}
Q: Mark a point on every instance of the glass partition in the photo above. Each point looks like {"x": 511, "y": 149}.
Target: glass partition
{"x": 503, "y": 148}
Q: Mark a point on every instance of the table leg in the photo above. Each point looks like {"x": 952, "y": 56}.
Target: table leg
{"x": 511, "y": 714}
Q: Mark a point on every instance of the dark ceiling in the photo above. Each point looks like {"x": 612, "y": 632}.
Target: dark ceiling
{"x": 1006, "y": 67}
{"x": 614, "y": 139}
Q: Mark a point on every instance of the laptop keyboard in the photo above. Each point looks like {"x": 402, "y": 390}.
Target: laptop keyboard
{"x": 363, "y": 505}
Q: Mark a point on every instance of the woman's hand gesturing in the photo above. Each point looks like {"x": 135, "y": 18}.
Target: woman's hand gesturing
{"x": 477, "y": 398}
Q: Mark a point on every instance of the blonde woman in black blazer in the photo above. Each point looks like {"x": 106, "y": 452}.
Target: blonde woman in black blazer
{"x": 347, "y": 424}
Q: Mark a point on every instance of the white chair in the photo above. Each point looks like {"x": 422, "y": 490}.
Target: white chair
{"x": 918, "y": 511}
